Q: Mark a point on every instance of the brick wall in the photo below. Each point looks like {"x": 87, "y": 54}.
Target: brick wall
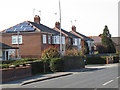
{"x": 15, "y": 74}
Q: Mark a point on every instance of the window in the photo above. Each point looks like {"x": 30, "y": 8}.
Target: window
{"x": 63, "y": 40}
{"x": 57, "y": 40}
{"x": 79, "y": 41}
{"x": 44, "y": 39}
{"x": 15, "y": 39}
{"x": 49, "y": 39}
{"x": 75, "y": 41}
{"x": 53, "y": 40}
{"x": 69, "y": 41}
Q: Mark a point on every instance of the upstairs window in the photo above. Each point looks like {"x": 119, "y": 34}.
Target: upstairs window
{"x": 15, "y": 39}
{"x": 44, "y": 39}
{"x": 57, "y": 40}
{"x": 49, "y": 39}
{"x": 75, "y": 41}
{"x": 63, "y": 40}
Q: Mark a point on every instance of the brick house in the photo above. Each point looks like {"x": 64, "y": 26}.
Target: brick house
{"x": 83, "y": 40}
{"x": 6, "y": 51}
{"x": 71, "y": 40}
{"x": 34, "y": 37}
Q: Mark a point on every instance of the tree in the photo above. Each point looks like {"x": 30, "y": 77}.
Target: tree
{"x": 107, "y": 41}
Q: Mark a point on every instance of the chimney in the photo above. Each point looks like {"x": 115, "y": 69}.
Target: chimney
{"x": 57, "y": 25}
{"x": 74, "y": 28}
{"x": 37, "y": 19}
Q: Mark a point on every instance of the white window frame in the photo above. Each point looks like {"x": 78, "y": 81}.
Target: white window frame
{"x": 75, "y": 41}
{"x": 63, "y": 40}
{"x": 44, "y": 39}
{"x": 57, "y": 39}
{"x": 15, "y": 37}
{"x": 49, "y": 39}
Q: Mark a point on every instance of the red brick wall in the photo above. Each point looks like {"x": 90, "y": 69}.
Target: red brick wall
{"x": 15, "y": 74}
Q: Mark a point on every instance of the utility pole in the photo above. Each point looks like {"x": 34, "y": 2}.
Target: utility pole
{"x": 60, "y": 30}
{"x": 18, "y": 45}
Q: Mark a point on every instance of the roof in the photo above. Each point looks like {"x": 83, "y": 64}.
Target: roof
{"x": 5, "y": 46}
{"x": 81, "y": 35}
{"x": 44, "y": 28}
{"x": 28, "y": 26}
{"x": 66, "y": 33}
{"x": 97, "y": 39}
{"x": 116, "y": 40}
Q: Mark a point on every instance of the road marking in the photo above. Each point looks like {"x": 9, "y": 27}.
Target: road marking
{"x": 108, "y": 82}
{"x": 117, "y": 77}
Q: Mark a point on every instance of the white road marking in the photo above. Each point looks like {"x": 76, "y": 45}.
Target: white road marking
{"x": 108, "y": 82}
{"x": 117, "y": 77}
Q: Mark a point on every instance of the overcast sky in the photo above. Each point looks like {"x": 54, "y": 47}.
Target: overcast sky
{"x": 91, "y": 15}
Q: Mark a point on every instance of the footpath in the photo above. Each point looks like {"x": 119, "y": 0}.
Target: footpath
{"x": 28, "y": 80}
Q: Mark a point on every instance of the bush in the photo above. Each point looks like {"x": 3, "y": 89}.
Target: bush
{"x": 50, "y": 52}
{"x": 56, "y": 64}
{"x": 96, "y": 60}
{"x": 73, "y": 52}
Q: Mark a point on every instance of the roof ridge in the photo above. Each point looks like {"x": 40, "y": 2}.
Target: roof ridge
{"x": 59, "y": 30}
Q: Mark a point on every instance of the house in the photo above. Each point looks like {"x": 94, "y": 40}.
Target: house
{"x": 116, "y": 41}
{"x": 83, "y": 40}
{"x": 6, "y": 51}
{"x": 33, "y": 38}
{"x": 71, "y": 40}
{"x": 97, "y": 41}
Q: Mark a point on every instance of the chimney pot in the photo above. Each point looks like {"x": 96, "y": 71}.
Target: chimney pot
{"x": 57, "y": 25}
{"x": 37, "y": 19}
{"x": 73, "y": 28}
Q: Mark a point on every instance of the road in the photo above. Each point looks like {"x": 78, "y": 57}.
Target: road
{"x": 96, "y": 77}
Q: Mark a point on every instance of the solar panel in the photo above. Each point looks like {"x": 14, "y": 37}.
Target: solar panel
{"x": 18, "y": 26}
{"x": 10, "y": 30}
{"x": 29, "y": 29}
{"x": 25, "y": 23}
{"x": 27, "y": 26}
{"x": 20, "y": 29}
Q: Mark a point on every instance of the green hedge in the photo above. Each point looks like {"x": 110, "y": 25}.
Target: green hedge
{"x": 40, "y": 66}
{"x": 56, "y": 64}
{"x": 96, "y": 60}
{"x": 116, "y": 59}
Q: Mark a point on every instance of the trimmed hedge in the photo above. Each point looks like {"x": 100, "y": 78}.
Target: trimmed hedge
{"x": 56, "y": 64}
{"x": 116, "y": 59}
{"x": 40, "y": 66}
{"x": 96, "y": 60}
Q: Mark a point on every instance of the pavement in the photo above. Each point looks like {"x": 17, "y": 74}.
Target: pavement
{"x": 29, "y": 80}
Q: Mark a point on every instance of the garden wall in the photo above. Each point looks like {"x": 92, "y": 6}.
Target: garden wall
{"x": 15, "y": 73}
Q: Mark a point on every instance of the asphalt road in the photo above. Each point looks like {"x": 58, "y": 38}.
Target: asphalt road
{"x": 103, "y": 77}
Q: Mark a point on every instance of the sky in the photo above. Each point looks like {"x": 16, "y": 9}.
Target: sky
{"x": 89, "y": 16}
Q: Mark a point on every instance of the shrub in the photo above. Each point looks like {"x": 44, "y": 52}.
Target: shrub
{"x": 56, "y": 64}
{"x": 73, "y": 52}
{"x": 50, "y": 52}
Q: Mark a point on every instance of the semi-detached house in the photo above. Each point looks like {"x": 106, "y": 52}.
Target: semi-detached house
{"x": 34, "y": 37}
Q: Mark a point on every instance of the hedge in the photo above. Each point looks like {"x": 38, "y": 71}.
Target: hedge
{"x": 40, "y": 66}
{"x": 56, "y": 64}
{"x": 116, "y": 59}
{"x": 96, "y": 60}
